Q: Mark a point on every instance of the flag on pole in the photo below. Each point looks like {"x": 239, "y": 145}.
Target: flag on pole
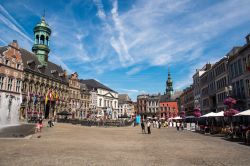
{"x": 46, "y": 99}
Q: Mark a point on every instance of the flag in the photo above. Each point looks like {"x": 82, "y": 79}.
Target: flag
{"x": 46, "y": 99}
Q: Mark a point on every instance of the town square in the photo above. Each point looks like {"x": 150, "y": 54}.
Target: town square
{"x": 124, "y": 82}
{"x": 77, "y": 145}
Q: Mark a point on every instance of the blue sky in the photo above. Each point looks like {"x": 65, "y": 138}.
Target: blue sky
{"x": 128, "y": 44}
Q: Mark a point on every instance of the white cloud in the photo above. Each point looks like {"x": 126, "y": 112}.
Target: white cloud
{"x": 100, "y": 9}
{"x": 118, "y": 42}
{"x": 9, "y": 21}
{"x": 134, "y": 70}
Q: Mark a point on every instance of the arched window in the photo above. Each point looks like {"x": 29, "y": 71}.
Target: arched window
{"x": 37, "y": 39}
{"x": 42, "y": 39}
{"x": 47, "y": 41}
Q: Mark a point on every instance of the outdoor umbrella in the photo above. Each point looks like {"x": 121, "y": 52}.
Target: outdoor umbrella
{"x": 244, "y": 113}
{"x": 210, "y": 114}
{"x": 217, "y": 114}
{"x": 178, "y": 117}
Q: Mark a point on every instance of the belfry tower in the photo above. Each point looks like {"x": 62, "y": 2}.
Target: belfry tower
{"x": 169, "y": 85}
{"x": 42, "y": 33}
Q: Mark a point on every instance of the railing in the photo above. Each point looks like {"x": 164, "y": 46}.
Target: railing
{"x": 107, "y": 123}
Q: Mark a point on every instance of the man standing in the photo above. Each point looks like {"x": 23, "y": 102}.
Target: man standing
{"x": 148, "y": 125}
{"x": 143, "y": 127}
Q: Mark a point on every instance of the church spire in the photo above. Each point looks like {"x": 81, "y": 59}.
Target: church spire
{"x": 169, "y": 84}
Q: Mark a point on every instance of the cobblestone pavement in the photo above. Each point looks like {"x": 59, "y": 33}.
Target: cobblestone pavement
{"x": 67, "y": 144}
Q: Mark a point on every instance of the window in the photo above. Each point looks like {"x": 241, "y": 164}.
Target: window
{"x": 242, "y": 89}
{"x": 18, "y": 85}
{"x": 247, "y": 85}
{"x": 6, "y": 62}
{"x": 37, "y": 39}
{"x": 100, "y": 102}
{"x": 18, "y": 66}
{"x": 240, "y": 66}
{"x": 47, "y": 41}
{"x": 42, "y": 39}
{"x": 10, "y": 84}
{"x": 1, "y": 82}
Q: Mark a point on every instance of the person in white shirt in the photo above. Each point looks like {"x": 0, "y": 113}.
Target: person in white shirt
{"x": 157, "y": 124}
{"x": 148, "y": 125}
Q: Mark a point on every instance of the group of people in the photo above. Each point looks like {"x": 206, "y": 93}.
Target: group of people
{"x": 148, "y": 123}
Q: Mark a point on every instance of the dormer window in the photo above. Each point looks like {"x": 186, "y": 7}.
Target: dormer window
{"x": 29, "y": 62}
{"x": 7, "y": 62}
{"x": 18, "y": 66}
{"x": 54, "y": 72}
{"x": 61, "y": 74}
{"x": 41, "y": 67}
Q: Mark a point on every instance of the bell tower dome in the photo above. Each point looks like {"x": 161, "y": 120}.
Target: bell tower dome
{"x": 42, "y": 33}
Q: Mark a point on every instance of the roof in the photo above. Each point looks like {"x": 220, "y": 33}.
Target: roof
{"x": 93, "y": 84}
{"x": 2, "y": 49}
{"x": 31, "y": 57}
{"x": 124, "y": 99}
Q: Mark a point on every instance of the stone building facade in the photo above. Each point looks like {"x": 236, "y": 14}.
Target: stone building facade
{"x": 196, "y": 85}
{"x": 187, "y": 100}
{"x": 11, "y": 72}
{"x": 125, "y": 106}
{"x": 85, "y": 101}
{"x": 239, "y": 75}
{"x": 74, "y": 95}
{"x": 105, "y": 98}
{"x": 45, "y": 89}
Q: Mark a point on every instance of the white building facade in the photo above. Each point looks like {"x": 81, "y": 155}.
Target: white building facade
{"x": 107, "y": 103}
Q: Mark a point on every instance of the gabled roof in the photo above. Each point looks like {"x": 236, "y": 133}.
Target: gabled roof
{"x": 93, "y": 84}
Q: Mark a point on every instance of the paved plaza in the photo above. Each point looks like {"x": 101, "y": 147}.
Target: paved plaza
{"x": 67, "y": 144}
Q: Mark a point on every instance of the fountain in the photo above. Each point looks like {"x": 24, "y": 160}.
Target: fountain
{"x": 9, "y": 118}
{"x": 9, "y": 110}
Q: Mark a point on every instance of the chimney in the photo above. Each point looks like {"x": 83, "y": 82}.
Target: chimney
{"x": 248, "y": 38}
{"x": 14, "y": 44}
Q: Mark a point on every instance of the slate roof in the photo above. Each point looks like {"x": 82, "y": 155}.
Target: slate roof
{"x": 2, "y": 49}
{"x": 28, "y": 56}
{"x": 93, "y": 84}
{"x": 124, "y": 99}
{"x": 31, "y": 57}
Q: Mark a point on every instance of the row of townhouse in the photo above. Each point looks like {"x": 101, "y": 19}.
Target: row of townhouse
{"x": 213, "y": 83}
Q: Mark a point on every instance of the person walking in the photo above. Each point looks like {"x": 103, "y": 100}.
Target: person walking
{"x": 143, "y": 127}
{"x": 148, "y": 125}
{"x": 178, "y": 126}
{"x": 157, "y": 124}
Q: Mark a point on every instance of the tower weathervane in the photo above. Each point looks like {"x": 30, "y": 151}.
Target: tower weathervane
{"x": 43, "y": 12}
